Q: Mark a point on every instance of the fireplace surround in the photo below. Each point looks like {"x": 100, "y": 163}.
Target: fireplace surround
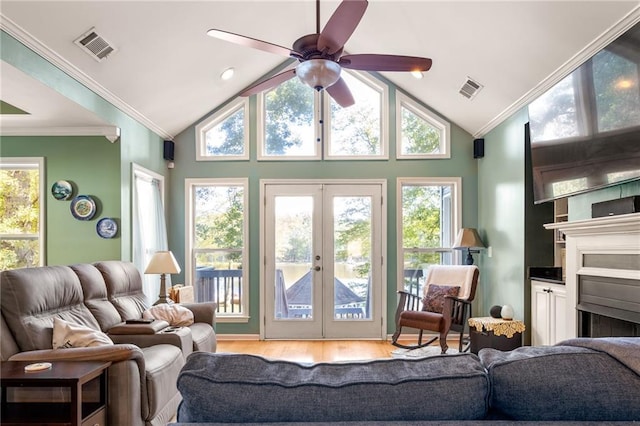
{"x": 602, "y": 276}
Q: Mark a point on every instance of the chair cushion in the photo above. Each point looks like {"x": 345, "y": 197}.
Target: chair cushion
{"x": 69, "y": 335}
{"x": 242, "y": 388}
{"x": 32, "y": 297}
{"x": 433, "y": 301}
{"x": 124, "y": 288}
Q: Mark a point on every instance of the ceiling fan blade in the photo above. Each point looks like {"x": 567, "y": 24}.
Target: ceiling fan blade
{"x": 373, "y": 62}
{"x": 269, "y": 83}
{"x": 341, "y": 25}
{"x": 340, "y": 93}
{"x": 250, "y": 42}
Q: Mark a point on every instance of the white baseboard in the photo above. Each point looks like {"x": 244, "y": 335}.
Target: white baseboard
{"x": 236, "y": 337}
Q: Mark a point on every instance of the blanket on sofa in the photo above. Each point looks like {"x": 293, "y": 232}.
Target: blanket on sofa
{"x": 624, "y": 349}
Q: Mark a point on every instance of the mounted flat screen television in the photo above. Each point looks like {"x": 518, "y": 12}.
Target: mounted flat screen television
{"x": 585, "y": 131}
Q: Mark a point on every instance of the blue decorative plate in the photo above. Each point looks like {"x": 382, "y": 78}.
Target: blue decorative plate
{"x": 83, "y": 207}
{"x": 62, "y": 190}
{"x": 107, "y": 227}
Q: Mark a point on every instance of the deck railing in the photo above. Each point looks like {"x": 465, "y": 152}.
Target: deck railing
{"x": 223, "y": 286}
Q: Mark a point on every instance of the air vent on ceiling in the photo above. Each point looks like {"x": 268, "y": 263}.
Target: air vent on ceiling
{"x": 94, "y": 45}
{"x": 470, "y": 88}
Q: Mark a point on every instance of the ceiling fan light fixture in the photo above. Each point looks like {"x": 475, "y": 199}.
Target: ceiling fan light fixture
{"x": 318, "y": 73}
{"x": 417, "y": 75}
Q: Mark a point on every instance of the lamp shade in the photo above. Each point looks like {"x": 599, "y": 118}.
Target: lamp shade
{"x": 318, "y": 73}
{"x": 468, "y": 238}
{"x": 163, "y": 262}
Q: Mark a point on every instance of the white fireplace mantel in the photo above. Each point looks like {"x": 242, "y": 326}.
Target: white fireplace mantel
{"x": 607, "y": 235}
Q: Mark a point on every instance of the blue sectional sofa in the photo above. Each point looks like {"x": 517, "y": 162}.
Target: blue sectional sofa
{"x": 580, "y": 380}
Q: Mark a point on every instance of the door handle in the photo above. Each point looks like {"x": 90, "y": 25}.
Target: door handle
{"x": 316, "y": 268}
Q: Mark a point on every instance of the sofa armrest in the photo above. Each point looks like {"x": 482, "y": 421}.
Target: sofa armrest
{"x": 177, "y": 336}
{"x": 112, "y": 353}
{"x": 135, "y": 329}
{"x": 203, "y": 311}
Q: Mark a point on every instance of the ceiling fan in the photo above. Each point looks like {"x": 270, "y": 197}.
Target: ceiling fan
{"x": 320, "y": 54}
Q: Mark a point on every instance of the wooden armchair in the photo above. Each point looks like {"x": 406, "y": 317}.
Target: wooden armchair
{"x": 445, "y": 305}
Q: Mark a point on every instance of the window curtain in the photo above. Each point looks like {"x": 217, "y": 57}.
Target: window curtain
{"x": 150, "y": 231}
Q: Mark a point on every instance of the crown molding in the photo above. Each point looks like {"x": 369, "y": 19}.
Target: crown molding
{"x": 112, "y": 133}
{"x": 17, "y": 32}
{"x": 632, "y": 18}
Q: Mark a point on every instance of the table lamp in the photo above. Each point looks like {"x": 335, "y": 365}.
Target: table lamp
{"x": 163, "y": 263}
{"x": 468, "y": 239}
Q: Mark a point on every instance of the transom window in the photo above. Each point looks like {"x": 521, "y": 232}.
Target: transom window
{"x": 428, "y": 217}
{"x": 295, "y": 122}
{"x": 420, "y": 133}
{"x": 286, "y": 126}
{"x": 292, "y": 120}
{"x": 22, "y": 211}
{"x": 359, "y": 130}
{"x": 225, "y": 135}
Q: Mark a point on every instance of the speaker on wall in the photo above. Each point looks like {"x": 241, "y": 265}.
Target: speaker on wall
{"x": 478, "y": 148}
{"x": 167, "y": 153}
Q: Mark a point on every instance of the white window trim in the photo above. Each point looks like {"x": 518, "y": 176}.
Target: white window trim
{"x": 212, "y": 121}
{"x": 456, "y": 197}
{"x": 260, "y": 129}
{"x": 32, "y": 163}
{"x": 381, "y": 88}
{"x": 404, "y": 101}
{"x": 141, "y": 172}
{"x": 189, "y": 243}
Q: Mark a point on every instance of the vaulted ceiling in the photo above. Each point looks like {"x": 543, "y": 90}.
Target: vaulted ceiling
{"x": 166, "y": 71}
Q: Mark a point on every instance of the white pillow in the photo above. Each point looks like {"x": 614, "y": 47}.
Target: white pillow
{"x": 175, "y": 315}
{"x": 69, "y": 335}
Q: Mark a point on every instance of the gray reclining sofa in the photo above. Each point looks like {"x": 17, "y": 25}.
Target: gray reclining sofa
{"x": 146, "y": 358}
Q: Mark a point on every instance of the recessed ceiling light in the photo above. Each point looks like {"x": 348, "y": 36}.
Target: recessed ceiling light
{"x": 417, "y": 74}
{"x": 227, "y": 74}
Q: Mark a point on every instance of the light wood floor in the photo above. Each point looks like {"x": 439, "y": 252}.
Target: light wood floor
{"x": 313, "y": 350}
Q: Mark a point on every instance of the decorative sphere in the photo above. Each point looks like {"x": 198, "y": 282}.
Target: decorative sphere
{"x": 507, "y": 312}
{"x": 495, "y": 311}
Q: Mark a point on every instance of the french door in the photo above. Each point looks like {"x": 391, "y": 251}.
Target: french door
{"x": 323, "y": 261}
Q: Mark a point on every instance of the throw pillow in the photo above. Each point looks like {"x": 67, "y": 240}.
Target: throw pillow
{"x": 69, "y": 335}
{"x": 433, "y": 301}
{"x": 175, "y": 315}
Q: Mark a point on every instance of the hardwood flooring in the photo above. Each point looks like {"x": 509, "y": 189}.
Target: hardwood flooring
{"x": 312, "y": 350}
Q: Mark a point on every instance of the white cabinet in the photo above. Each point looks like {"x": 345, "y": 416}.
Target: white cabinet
{"x": 548, "y": 313}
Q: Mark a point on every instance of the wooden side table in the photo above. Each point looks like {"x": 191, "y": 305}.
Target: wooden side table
{"x": 496, "y": 333}
{"x": 76, "y": 379}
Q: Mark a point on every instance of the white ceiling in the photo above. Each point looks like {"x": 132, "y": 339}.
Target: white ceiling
{"x": 166, "y": 70}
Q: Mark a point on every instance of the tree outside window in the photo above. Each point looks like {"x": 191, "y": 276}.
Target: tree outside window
{"x": 428, "y": 215}
{"x": 20, "y": 209}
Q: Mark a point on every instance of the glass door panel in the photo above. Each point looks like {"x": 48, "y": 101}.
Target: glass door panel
{"x": 321, "y": 276}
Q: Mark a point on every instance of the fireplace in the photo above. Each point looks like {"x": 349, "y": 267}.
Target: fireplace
{"x": 594, "y": 325}
{"x": 602, "y": 276}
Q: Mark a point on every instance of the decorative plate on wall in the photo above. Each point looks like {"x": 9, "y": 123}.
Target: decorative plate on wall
{"x": 107, "y": 227}
{"x": 62, "y": 190}
{"x": 83, "y": 207}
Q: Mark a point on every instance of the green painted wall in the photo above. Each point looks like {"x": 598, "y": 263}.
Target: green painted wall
{"x": 460, "y": 164}
{"x": 86, "y": 162}
{"x": 136, "y": 144}
{"x": 501, "y": 212}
